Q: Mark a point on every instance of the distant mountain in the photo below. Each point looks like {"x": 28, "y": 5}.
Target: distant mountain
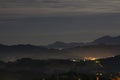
{"x": 24, "y": 48}
{"x": 102, "y": 47}
{"x": 62, "y": 45}
{"x": 14, "y": 52}
{"x": 108, "y": 40}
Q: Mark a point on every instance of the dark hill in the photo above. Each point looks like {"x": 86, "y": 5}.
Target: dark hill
{"x": 108, "y": 40}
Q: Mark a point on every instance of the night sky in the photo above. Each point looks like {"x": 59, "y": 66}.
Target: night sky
{"x": 41, "y": 22}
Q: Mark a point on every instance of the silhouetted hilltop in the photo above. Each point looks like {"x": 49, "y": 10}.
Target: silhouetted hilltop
{"x": 24, "y": 48}
{"x": 108, "y": 40}
{"x": 62, "y": 45}
{"x": 111, "y": 64}
{"x": 14, "y": 52}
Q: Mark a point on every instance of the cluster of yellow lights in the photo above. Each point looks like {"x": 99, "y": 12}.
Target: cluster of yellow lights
{"x": 90, "y": 58}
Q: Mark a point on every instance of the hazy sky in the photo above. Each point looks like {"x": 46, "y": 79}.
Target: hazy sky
{"x": 45, "y": 21}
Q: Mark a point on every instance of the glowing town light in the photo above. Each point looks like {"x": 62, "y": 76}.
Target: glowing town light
{"x": 90, "y": 58}
{"x": 93, "y": 59}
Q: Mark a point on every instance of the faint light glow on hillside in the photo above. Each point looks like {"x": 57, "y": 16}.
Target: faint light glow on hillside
{"x": 90, "y": 58}
{"x": 75, "y": 60}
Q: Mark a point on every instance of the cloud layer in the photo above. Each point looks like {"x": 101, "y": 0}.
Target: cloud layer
{"x": 53, "y": 6}
{"x": 44, "y": 30}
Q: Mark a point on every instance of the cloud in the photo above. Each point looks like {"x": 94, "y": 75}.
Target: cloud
{"x": 44, "y": 30}
{"x": 60, "y": 6}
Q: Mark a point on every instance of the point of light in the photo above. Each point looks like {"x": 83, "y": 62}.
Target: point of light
{"x": 75, "y": 60}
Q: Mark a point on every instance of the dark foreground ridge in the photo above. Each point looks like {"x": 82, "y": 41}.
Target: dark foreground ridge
{"x": 59, "y": 69}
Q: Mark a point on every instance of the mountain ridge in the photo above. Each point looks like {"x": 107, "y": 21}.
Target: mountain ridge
{"x": 61, "y": 51}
